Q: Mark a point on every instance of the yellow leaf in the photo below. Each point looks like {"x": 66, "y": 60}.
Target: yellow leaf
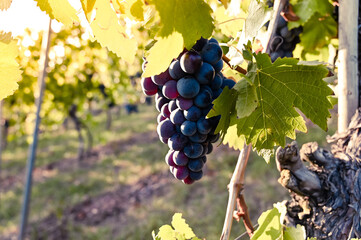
{"x": 109, "y": 33}
{"x": 162, "y": 53}
{"x": 5, "y": 4}
{"x": 60, "y": 10}
{"x": 88, "y": 6}
{"x": 10, "y": 73}
{"x": 228, "y": 22}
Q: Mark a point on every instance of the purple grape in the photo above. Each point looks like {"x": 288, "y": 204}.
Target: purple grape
{"x": 172, "y": 105}
{"x": 180, "y": 158}
{"x": 148, "y": 87}
{"x": 176, "y": 71}
{"x": 165, "y": 111}
{"x": 205, "y": 74}
{"x": 169, "y": 158}
{"x": 204, "y": 126}
{"x": 193, "y": 150}
{"x": 203, "y": 99}
{"x": 210, "y": 148}
{"x": 160, "y": 118}
{"x": 217, "y": 82}
{"x": 159, "y": 102}
{"x": 180, "y": 172}
{"x": 184, "y": 103}
{"x": 166, "y": 129}
{"x": 195, "y": 165}
{"x": 169, "y": 90}
{"x": 198, "y": 138}
{"x": 216, "y": 93}
{"x": 162, "y": 78}
{"x": 177, "y": 117}
{"x": 188, "y": 128}
{"x": 218, "y": 66}
{"x": 188, "y": 180}
{"x": 213, "y": 137}
{"x": 188, "y": 87}
{"x": 177, "y": 142}
{"x": 211, "y": 53}
{"x": 190, "y": 62}
{"x": 195, "y": 176}
{"x": 193, "y": 113}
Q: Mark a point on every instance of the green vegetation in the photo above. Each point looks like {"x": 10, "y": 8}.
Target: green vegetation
{"x": 124, "y": 160}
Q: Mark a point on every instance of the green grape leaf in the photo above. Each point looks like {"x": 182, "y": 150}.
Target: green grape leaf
{"x": 88, "y": 6}
{"x": 192, "y": 19}
{"x": 224, "y": 105}
{"x": 305, "y": 9}
{"x": 109, "y": 33}
{"x": 10, "y": 73}
{"x": 280, "y": 87}
{"x": 229, "y": 24}
{"x": 294, "y": 233}
{"x": 231, "y": 137}
{"x": 258, "y": 15}
{"x": 247, "y": 99}
{"x": 317, "y": 32}
{"x": 270, "y": 227}
{"x": 59, "y": 10}
{"x": 5, "y": 4}
{"x": 166, "y": 232}
{"x": 162, "y": 53}
{"x": 136, "y": 10}
{"x": 181, "y": 226}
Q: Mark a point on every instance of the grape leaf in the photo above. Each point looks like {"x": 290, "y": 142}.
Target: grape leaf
{"x": 229, "y": 24}
{"x": 305, "y": 9}
{"x": 224, "y": 105}
{"x": 109, "y": 33}
{"x": 5, "y": 4}
{"x": 162, "y": 53}
{"x": 59, "y": 10}
{"x": 181, "y": 226}
{"x": 270, "y": 226}
{"x": 258, "y": 15}
{"x": 190, "y": 18}
{"x": 166, "y": 232}
{"x": 10, "y": 73}
{"x": 280, "y": 87}
{"x": 247, "y": 100}
{"x": 88, "y": 6}
{"x": 136, "y": 10}
{"x": 232, "y": 139}
{"x": 294, "y": 233}
{"x": 317, "y": 32}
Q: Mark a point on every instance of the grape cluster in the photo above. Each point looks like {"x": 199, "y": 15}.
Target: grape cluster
{"x": 183, "y": 96}
{"x": 284, "y": 41}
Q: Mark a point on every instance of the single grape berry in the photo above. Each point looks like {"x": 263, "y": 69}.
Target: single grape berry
{"x": 188, "y": 87}
{"x": 190, "y": 62}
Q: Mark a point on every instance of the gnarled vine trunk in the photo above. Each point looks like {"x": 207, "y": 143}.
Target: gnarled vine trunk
{"x": 326, "y": 195}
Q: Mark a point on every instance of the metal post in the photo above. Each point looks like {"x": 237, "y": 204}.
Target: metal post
{"x": 43, "y": 62}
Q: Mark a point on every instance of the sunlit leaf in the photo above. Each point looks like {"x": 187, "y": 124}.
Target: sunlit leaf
{"x": 192, "y": 19}
{"x": 162, "y": 53}
{"x": 88, "y": 6}
{"x": 181, "y": 226}
{"x": 10, "y": 73}
{"x": 59, "y": 10}
{"x": 109, "y": 33}
{"x": 5, "y": 4}
{"x": 270, "y": 227}
{"x": 294, "y": 233}
{"x": 166, "y": 232}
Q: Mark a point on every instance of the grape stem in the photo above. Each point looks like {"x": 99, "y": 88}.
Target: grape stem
{"x": 237, "y": 68}
{"x": 235, "y": 188}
